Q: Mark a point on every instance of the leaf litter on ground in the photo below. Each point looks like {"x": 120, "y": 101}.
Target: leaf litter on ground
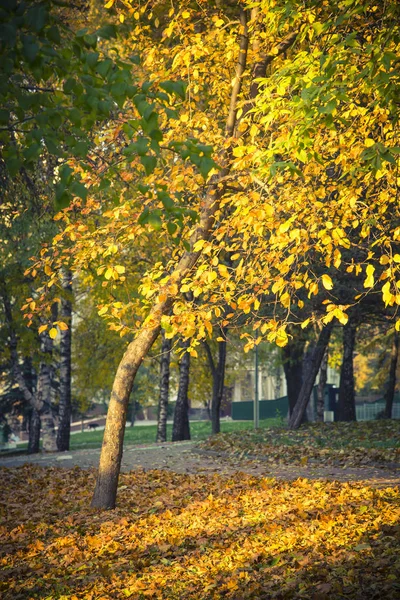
{"x": 339, "y": 444}
{"x": 179, "y": 536}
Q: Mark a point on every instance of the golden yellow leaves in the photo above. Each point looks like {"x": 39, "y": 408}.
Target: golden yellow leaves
{"x": 327, "y": 282}
{"x": 112, "y": 272}
{"x": 369, "y": 280}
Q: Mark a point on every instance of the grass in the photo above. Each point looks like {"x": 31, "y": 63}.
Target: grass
{"x": 200, "y": 430}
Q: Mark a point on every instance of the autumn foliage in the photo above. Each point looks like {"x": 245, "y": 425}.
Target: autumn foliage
{"x": 187, "y": 536}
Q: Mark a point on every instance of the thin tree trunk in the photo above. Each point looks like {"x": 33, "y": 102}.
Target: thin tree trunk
{"x": 293, "y": 355}
{"x": 389, "y": 396}
{"x": 44, "y": 395}
{"x": 64, "y": 423}
{"x": 34, "y": 432}
{"x": 164, "y": 388}
{"x": 111, "y": 452}
{"x": 218, "y": 377}
{"x": 218, "y": 387}
{"x": 308, "y": 382}
{"x": 323, "y": 377}
{"x": 346, "y": 403}
{"x": 181, "y": 427}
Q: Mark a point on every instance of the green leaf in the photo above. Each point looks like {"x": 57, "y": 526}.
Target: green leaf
{"x": 149, "y": 163}
{"x": 78, "y": 189}
{"x": 206, "y": 164}
{"x": 154, "y": 221}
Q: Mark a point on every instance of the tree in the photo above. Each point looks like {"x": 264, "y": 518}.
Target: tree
{"x": 305, "y": 173}
{"x": 64, "y": 405}
{"x": 217, "y": 369}
{"x": 346, "y": 403}
{"x": 391, "y": 385}
{"x": 165, "y": 360}
{"x": 181, "y": 426}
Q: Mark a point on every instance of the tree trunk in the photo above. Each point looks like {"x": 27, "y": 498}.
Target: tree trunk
{"x": 44, "y": 395}
{"x": 111, "y": 452}
{"x": 218, "y": 387}
{"x": 34, "y": 432}
{"x": 181, "y": 428}
{"x": 218, "y": 377}
{"x": 64, "y": 423}
{"x": 293, "y": 355}
{"x": 346, "y": 403}
{"x": 164, "y": 388}
{"x": 308, "y": 382}
{"x": 323, "y": 377}
{"x": 389, "y": 396}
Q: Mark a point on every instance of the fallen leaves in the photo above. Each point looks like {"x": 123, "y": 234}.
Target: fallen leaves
{"x": 195, "y": 536}
{"x": 338, "y": 444}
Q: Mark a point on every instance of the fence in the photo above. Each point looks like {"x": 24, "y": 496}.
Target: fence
{"x": 269, "y": 409}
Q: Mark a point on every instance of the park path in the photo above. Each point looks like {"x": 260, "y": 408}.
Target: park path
{"x": 184, "y": 457}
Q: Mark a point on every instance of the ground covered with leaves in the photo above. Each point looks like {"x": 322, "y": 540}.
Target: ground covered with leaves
{"x": 341, "y": 444}
{"x": 196, "y": 536}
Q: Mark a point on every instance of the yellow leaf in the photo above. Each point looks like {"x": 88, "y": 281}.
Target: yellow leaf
{"x": 109, "y": 273}
{"x": 103, "y": 310}
{"x": 369, "y": 142}
{"x": 223, "y": 271}
{"x": 327, "y": 282}
{"x": 305, "y": 323}
{"x": 53, "y": 333}
{"x": 384, "y": 260}
{"x": 62, "y": 326}
{"x": 120, "y": 269}
{"x": 396, "y": 258}
{"x": 42, "y": 328}
{"x": 186, "y": 14}
{"x": 397, "y": 326}
{"x": 48, "y": 270}
{"x": 239, "y": 151}
{"x": 369, "y": 280}
{"x": 109, "y": 4}
{"x": 281, "y": 338}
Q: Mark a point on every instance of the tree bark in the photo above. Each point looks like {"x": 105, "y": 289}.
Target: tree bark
{"x": 293, "y": 355}
{"x": 323, "y": 377}
{"x": 389, "y": 396}
{"x": 34, "y": 432}
{"x": 308, "y": 383}
{"x": 164, "y": 389}
{"x": 44, "y": 395}
{"x": 218, "y": 377}
{"x": 181, "y": 427}
{"x": 346, "y": 403}
{"x": 64, "y": 423}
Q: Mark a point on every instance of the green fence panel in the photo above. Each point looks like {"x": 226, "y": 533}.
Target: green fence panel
{"x": 269, "y": 409}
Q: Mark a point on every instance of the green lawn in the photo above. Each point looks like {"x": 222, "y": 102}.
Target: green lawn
{"x": 146, "y": 434}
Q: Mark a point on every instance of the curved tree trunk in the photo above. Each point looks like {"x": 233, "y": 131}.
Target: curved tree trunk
{"x": 389, "y": 396}
{"x": 111, "y": 452}
{"x": 164, "y": 388}
{"x": 309, "y": 381}
{"x": 64, "y": 423}
{"x": 346, "y": 403}
{"x": 181, "y": 427}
